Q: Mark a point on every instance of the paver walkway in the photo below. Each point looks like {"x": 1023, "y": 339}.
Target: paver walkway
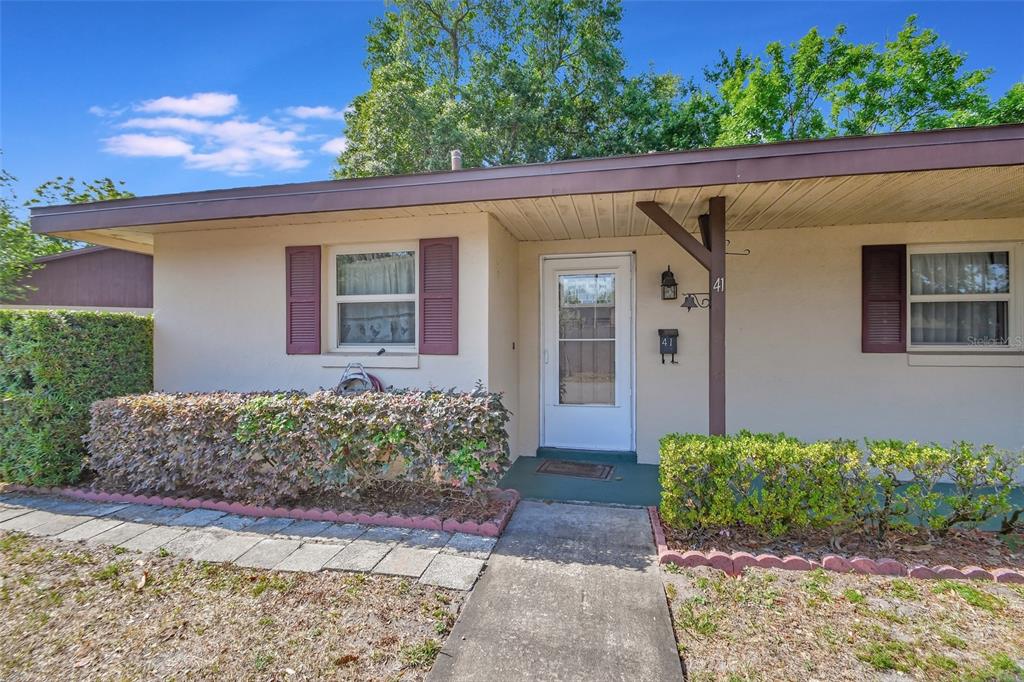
{"x": 571, "y": 592}
{"x": 432, "y": 557}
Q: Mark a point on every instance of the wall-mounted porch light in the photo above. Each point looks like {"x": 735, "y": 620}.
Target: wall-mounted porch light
{"x": 690, "y": 301}
{"x": 669, "y": 287}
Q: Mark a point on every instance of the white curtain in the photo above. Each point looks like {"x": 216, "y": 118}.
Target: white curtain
{"x": 362, "y": 274}
{"x": 958, "y": 322}
{"x": 376, "y": 274}
{"x": 377, "y": 322}
{"x": 951, "y": 274}
{"x": 984, "y": 272}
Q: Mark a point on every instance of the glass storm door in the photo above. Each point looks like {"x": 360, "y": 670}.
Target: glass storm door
{"x": 587, "y": 353}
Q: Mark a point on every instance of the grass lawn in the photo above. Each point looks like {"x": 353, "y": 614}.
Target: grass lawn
{"x": 789, "y": 625}
{"x": 68, "y": 611}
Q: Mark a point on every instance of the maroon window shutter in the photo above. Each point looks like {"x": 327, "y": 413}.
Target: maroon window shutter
{"x": 884, "y": 299}
{"x": 439, "y": 296}
{"x": 302, "y": 278}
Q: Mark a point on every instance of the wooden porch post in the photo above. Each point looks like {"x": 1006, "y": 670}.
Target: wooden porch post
{"x": 716, "y": 317}
{"x": 711, "y": 255}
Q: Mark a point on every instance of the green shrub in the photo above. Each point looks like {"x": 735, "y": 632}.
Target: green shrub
{"x": 276, "y": 448}
{"x": 703, "y": 479}
{"x": 774, "y": 483}
{"x": 770, "y": 482}
{"x": 905, "y": 473}
{"x": 53, "y": 365}
{"x": 908, "y": 474}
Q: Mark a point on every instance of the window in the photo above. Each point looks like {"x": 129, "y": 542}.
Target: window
{"x": 962, "y": 297}
{"x": 374, "y": 298}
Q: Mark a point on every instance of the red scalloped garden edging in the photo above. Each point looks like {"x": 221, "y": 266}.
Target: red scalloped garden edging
{"x": 490, "y": 528}
{"x": 735, "y": 563}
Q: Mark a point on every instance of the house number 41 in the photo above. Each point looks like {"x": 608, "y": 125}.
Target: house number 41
{"x": 719, "y": 284}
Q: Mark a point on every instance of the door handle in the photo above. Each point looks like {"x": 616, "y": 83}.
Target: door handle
{"x": 545, "y": 357}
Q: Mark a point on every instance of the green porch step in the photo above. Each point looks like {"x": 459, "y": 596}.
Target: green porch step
{"x": 594, "y": 456}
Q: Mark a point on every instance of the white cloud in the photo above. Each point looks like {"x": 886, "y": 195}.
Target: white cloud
{"x": 176, "y": 123}
{"x": 147, "y": 145}
{"x": 198, "y": 104}
{"x": 104, "y": 112}
{"x": 205, "y": 131}
{"x": 235, "y": 146}
{"x": 324, "y": 112}
{"x": 335, "y": 145}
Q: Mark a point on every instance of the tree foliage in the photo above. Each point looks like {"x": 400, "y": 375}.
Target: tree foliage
{"x": 519, "y": 82}
{"x": 827, "y": 86}
{"x": 19, "y": 246}
{"x": 541, "y": 80}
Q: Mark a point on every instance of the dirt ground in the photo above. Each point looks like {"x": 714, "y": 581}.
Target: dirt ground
{"x": 68, "y": 611}
{"x": 791, "y": 625}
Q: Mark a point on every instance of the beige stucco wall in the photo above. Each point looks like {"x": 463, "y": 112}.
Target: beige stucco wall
{"x": 794, "y": 360}
{"x": 793, "y": 343}
{"x": 502, "y": 322}
{"x": 219, "y": 303}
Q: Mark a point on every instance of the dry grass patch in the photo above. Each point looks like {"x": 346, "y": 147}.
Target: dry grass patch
{"x": 782, "y": 625}
{"x": 68, "y": 611}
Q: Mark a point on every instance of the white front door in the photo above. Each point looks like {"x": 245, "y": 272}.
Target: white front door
{"x": 587, "y": 332}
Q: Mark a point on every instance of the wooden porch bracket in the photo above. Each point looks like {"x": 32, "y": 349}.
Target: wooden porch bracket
{"x": 705, "y": 235}
{"x": 673, "y": 229}
{"x": 711, "y": 255}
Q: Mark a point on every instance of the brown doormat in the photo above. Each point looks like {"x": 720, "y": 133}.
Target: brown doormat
{"x": 561, "y": 467}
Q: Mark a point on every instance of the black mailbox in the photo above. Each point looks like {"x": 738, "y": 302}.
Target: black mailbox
{"x": 668, "y": 344}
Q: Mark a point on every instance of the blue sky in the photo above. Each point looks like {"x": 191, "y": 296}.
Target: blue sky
{"x": 96, "y": 89}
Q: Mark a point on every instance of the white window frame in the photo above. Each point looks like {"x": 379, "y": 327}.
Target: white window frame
{"x": 334, "y": 299}
{"x": 1015, "y": 301}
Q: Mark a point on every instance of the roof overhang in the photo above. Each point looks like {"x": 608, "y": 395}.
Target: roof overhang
{"x": 111, "y": 222}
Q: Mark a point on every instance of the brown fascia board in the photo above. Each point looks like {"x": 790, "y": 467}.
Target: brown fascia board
{"x": 889, "y": 153}
{"x": 71, "y": 253}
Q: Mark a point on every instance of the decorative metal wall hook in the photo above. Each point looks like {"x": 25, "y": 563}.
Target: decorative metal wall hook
{"x": 744, "y": 252}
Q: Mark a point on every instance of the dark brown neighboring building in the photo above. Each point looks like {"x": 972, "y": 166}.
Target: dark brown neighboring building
{"x": 93, "y": 277}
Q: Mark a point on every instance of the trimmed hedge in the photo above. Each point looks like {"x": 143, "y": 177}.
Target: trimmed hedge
{"x": 279, "y": 448}
{"x": 774, "y": 483}
{"x": 53, "y": 366}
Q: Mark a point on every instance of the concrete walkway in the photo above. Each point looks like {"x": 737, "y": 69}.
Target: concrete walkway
{"x": 571, "y": 592}
{"x": 432, "y": 557}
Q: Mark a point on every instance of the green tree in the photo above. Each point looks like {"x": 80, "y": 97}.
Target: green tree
{"x": 520, "y": 82}
{"x": 19, "y": 246}
{"x": 538, "y": 80}
{"x": 827, "y": 86}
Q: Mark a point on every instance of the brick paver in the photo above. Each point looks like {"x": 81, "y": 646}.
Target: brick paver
{"x": 27, "y": 521}
{"x": 269, "y": 525}
{"x": 152, "y": 539}
{"x": 305, "y": 529}
{"x": 198, "y": 517}
{"x": 7, "y": 514}
{"x": 475, "y": 546}
{"x": 59, "y": 523}
{"x": 145, "y": 513}
{"x": 434, "y": 557}
{"x": 407, "y": 561}
{"x": 89, "y": 529}
{"x": 268, "y": 553}
{"x": 228, "y": 548}
{"x": 452, "y": 571}
{"x": 360, "y": 555}
{"x": 120, "y": 533}
{"x": 190, "y": 544}
{"x": 310, "y": 557}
